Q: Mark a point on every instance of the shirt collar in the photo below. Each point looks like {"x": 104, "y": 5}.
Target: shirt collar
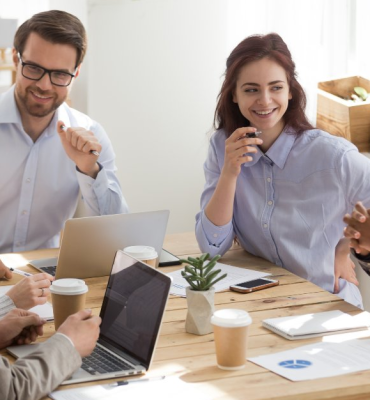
{"x": 9, "y": 113}
{"x": 279, "y": 151}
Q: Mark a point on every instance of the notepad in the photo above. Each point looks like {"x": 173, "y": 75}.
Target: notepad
{"x": 318, "y": 324}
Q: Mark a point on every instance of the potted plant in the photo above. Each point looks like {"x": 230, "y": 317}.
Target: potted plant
{"x": 200, "y": 274}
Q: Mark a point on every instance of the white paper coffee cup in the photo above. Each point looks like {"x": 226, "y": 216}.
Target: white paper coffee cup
{"x": 230, "y": 327}
{"x": 68, "y": 296}
{"x": 145, "y": 254}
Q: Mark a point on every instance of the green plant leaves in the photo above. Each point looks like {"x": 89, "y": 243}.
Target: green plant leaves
{"x": 198, "y": 276}
{"x": 361, "y": 92}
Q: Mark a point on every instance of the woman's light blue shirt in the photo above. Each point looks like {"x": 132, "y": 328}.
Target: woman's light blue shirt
{"x": 289, "y": 203}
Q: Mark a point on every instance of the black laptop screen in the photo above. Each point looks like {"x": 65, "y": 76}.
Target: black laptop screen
{"x": 133, "y": 307}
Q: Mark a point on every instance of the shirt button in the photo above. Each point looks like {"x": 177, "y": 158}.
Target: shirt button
{"x": 28, "y": 180}
{"x": 215, "y": 235}
{"x": 265, "y": 225}
{"x": 24, "y": 212}
{"x": 268, "y": 179}
{"x": 270, "y": 203}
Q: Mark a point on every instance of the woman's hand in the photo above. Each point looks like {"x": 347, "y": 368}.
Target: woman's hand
{"x": 238, "y": 149}
{"x": 344, "y": 267}
{"x": 219, "y": 210}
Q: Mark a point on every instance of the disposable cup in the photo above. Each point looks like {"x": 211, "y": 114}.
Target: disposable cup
{"x": 145, "y": 254}
{"x": 68, "y": 296}
{"x": 230, "y": 327}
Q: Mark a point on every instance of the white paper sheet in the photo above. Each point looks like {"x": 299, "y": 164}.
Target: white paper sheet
{"x": 45, "y": 311}
{"x": 319, "y": 360}
{"x": 168, "y": 388}
{"x": 234, "y": 275}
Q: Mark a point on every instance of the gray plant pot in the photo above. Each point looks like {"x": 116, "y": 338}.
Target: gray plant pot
{"x": 201, "y": 306}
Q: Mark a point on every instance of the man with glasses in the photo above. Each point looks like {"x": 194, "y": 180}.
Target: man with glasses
{"x": 49, "y": 152}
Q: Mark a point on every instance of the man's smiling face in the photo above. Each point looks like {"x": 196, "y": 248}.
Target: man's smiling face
{"x": 41, "y": 98}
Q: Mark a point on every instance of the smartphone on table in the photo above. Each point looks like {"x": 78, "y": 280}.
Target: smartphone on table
{"x": 167, "y": 259}
{"x": 253, "y": 286}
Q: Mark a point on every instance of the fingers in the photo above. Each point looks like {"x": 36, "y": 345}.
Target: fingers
{"x": 240, "y": 132}
{"x": 83, "y": 314}
{"x": 31, "y": 291}
{"x": 32, "y": 320}
{"x": 336, "y": 284}
{"x": 81, "y": 139}
{"x": 351, "y": 233}
{"x": 360, "y": 212}
{"x": 238, "y": 149}
{"x": 5, "y": 272}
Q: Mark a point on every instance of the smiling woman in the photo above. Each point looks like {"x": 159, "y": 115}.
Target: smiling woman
{"x": 275, "y": 192}
{"x": 262, "y": 95}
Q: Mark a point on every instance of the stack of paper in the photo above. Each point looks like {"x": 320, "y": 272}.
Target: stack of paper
{"x": 318, "y": 324}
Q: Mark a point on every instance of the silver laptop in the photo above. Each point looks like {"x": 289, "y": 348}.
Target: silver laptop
{"x": 131, "y": 313}
{"x": 89, "y": 244}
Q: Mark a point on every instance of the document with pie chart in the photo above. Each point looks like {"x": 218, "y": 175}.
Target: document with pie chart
{"x": 318, "y": 360}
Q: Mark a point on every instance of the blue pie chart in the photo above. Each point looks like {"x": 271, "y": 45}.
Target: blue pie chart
{"x": 295, "y": 364}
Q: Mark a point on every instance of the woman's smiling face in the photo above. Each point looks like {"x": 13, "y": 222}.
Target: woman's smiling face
{"x": 262, "y": 94}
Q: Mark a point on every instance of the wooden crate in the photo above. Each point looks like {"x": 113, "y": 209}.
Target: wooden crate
{"x": 343, "y": 118}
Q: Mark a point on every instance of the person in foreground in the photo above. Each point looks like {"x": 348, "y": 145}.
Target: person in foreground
{"x": 283, "y": 194}
{"x": 45, "y": 166}
{"x": 37, "y": 374}
{"x": 358, "y": 232}
{"x": 29, "y": 292}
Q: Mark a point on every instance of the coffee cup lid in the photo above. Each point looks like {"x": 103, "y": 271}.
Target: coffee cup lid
{"x": 229, "y": 318}
{"x": 141, "y": 252}
{"x": 68, "y": 286}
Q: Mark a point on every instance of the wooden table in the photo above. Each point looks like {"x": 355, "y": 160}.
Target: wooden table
{"x": 192, "y": 358}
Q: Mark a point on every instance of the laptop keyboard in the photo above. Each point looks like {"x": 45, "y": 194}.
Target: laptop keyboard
{"x": 49, "y": 270}
{"x": 100, "y": 362}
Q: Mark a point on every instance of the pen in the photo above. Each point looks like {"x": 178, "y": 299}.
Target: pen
{"x": 123, "y": 383}
{"x": 19, "y": 272}
{"x": 253, "y": 134}
{"x": 96, "y": 153}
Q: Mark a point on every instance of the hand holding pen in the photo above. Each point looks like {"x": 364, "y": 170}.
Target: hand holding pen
{"x": 82, "y": 147}
{"x": 239, "y": 148}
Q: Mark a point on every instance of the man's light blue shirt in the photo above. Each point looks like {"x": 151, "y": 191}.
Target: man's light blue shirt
{"x": 289, "y": 203}
{"x": 40, "y": 184}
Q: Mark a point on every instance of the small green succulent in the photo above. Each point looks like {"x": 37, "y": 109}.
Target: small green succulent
{"x": 200, "y": 276}
{"x": 361, "y": 92}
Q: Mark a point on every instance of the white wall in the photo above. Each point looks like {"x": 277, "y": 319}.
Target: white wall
{"x": 154, "y": 74}
{"x": 80, "y": 92}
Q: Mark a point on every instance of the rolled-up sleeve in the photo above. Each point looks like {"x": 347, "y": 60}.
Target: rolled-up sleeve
{"x": 211, "y": 238}
{"x": 103, "y": 195}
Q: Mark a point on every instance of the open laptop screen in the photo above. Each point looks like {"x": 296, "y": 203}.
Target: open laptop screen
{"x": 133, "y": 307}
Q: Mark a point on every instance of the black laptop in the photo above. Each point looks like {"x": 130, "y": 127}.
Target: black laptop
{"x": 132, "y": 312}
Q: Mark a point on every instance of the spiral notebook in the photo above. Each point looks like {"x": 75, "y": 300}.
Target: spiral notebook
{"x": 318, "y": 324}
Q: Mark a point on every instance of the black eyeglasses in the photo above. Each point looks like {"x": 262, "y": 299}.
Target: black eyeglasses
{"x": 35, "y": 73}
